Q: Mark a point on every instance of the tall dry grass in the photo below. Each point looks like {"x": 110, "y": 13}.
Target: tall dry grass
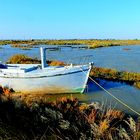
{"x": 64, "y": 118}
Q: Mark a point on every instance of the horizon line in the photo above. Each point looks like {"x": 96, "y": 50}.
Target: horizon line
{"x": 69, "y": 39}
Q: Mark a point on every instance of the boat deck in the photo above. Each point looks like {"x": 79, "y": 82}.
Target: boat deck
{"x": 20, "y": 68}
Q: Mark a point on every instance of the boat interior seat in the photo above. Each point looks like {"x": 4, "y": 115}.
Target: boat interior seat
{"x": 29, "y": 68}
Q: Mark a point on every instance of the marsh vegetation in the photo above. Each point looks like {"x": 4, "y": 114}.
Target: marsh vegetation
{"x": 33, "y": 118}
{"x": 24, "y": 59}
{"x": 92, "y": 43}
{"x": 132, "y": 78}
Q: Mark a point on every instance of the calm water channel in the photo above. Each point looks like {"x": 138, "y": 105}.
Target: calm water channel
{"x": 118, "y": 57}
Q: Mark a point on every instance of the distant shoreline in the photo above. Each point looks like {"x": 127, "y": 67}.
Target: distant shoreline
{"x": 91, "y": 43}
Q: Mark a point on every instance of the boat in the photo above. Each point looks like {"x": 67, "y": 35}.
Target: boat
{"x": 44, "y": 78}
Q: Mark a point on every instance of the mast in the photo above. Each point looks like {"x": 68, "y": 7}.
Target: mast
{"x": 43, "y": 57}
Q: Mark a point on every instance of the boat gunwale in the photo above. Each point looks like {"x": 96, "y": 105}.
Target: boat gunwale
{"x": 23, "y": 77}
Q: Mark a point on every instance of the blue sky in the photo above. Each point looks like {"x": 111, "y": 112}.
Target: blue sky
{"x": 69, "y": 19}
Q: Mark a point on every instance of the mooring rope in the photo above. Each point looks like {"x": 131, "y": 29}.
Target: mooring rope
{"x": 121, "y": 102}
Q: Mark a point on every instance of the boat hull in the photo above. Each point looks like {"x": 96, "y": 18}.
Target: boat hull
{"x": 69, "y": 82}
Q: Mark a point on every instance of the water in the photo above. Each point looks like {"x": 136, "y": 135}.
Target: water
{"x": 118, "y": 57}
{"x": 126, "y": 93}
{"x": 125, "y": 58}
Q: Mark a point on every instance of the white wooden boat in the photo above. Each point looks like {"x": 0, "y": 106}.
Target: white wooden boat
{"x": 44, "y": 78}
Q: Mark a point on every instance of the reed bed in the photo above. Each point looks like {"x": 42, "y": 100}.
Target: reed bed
{"x": 24, "y": 59}
{"x": 92, "y": 43}
{"x": 132, "y": 78}
{"x": 22, "y": 46}
{"x": 33, "y": 118}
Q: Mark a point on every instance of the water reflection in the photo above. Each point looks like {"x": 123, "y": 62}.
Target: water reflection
{"x": 92, "y": 87}
{"x": 126, "y": 93}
